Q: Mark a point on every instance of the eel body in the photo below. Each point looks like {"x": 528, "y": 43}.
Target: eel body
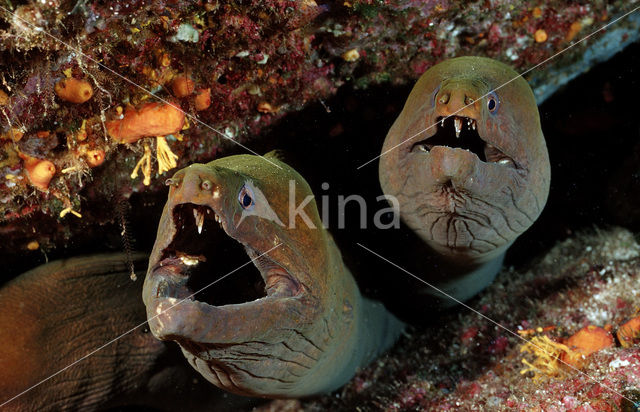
{"x": 297, "y": 325}
{"x": 56, "y": 314}
{"x": 468, "y": 163}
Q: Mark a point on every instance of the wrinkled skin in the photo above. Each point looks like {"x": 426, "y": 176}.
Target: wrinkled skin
{"x": 57, "y": 313}
{"x": 468, "y": 205}
{"x": 307, "y": 332}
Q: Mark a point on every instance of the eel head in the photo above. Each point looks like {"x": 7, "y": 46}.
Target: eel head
{"x": 467, "y": 160}
{"x": 250, "y": 332}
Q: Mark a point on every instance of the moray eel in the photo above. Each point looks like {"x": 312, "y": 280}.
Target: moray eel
{"x": 468, "y": 163}
{"x": 300, "y": 327}
{"x": 57, "y": 313}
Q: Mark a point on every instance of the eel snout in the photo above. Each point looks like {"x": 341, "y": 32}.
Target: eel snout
{"x": 198, "y": 249}
{"x": 458, "y": 120}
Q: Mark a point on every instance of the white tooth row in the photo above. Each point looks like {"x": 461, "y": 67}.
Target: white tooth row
{"x": 457, "y": 123}
{"x": 199, "y": 217}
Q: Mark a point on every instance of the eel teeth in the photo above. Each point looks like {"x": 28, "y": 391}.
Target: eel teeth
{"x": 505, "y": 161}
{"x": 457, "y": 122}
{"x": 199, "y": 217}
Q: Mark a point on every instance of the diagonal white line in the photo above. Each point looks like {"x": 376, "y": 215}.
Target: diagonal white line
{"x": 494, "y": 322}
{"x": 86, "y": 56}
{"x": 136, "y": 327}
{"x": 502, "y": 85}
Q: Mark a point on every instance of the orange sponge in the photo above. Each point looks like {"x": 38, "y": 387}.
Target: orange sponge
{"x": 74, "y": 90}
{"x": 152, "y": 119}
{"x": 182, "y": 86}
{"x": 586, "y": 341}
{"x": 39, "y": 171}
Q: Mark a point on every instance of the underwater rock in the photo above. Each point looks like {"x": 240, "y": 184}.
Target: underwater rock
{"x": 466, "y": 362}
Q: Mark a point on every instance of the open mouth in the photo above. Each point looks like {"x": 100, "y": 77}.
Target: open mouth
{"x": 462, "y": 132}
{"x": 202, "y": 253}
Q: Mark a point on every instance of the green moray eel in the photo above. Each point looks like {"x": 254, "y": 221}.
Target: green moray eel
{"x": 299, "y": 327}
{"x": 57, "y": 313}
{"x": 468, "y": 163}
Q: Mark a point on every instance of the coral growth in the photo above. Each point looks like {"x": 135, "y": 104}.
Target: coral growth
{"x": 547, "y": 355}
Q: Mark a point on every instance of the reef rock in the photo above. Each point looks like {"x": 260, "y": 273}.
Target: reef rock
{"x": 497, "y": 356}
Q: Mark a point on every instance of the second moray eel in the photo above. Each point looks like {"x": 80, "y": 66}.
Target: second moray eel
{"x": 469, "y": 166}
{"x": 300, "y": 327}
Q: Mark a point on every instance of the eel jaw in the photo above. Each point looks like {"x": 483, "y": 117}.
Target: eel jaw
{"x": 193, "y": 259}
{"x": 463, "y": 132}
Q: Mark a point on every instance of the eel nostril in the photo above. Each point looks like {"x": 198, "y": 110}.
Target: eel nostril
{"x": 444, "y": 98}
{"x": 468, "y": 100}
{"x": 172, "y": 182}
{"x": 206, "y": 185}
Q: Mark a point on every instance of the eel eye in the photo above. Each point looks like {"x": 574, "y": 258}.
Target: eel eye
{"x": 245, "y": 197}
{"x": 492, "y": 102}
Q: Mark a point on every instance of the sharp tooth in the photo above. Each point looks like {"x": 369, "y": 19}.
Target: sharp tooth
{"x": 505, "y": 161}
{"x": 199, "y": 217}
{"x": 473, "y": 124}
{"x": 422, "y": 148}
{"x": 442, "y": 122}
{"x": 457, "y": 122}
